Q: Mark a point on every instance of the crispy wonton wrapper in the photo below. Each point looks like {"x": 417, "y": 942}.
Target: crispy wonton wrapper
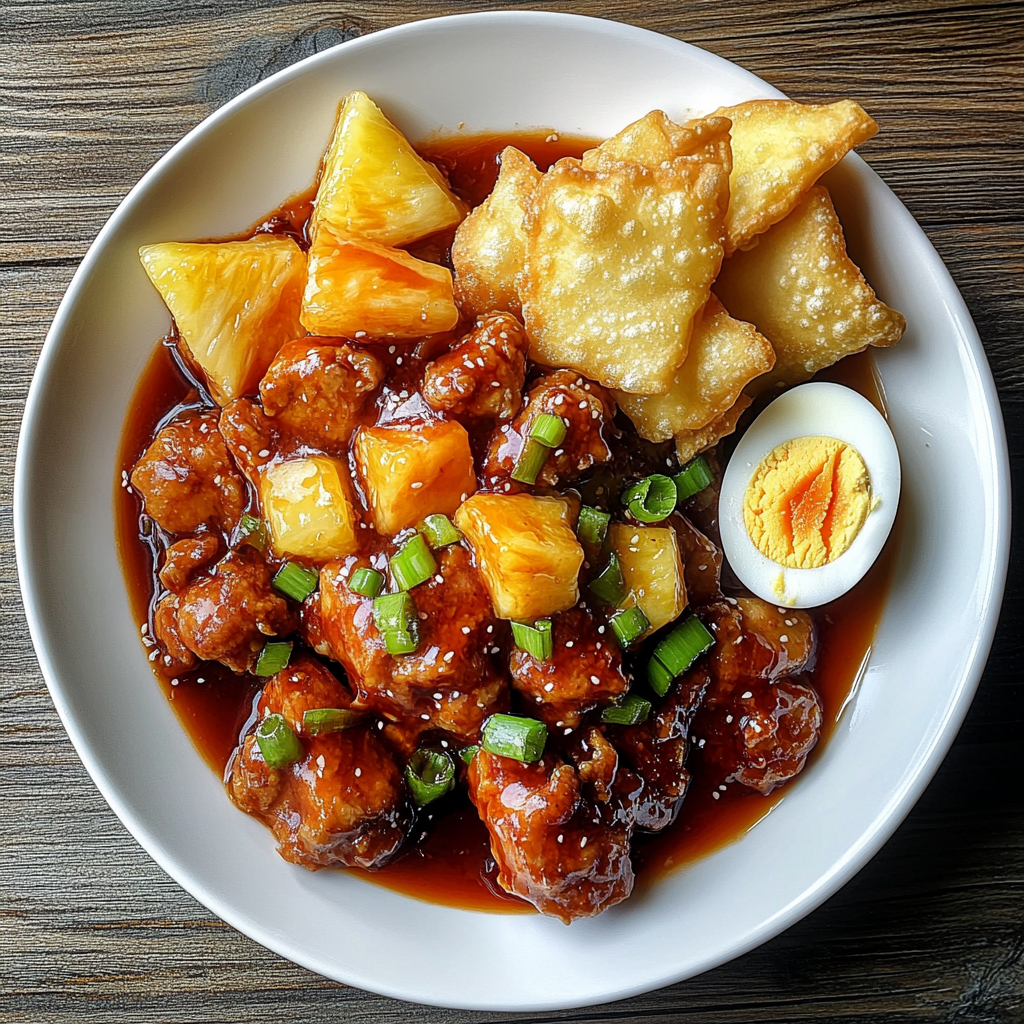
{"x": 619, "y": 261}
{"x": 725, "y": 355}
{"x": 656, "y": 139}
{"x": 490, "y": 245}
{"x": 779, "y": 150}
{"x": 692, "y": 442}
{"x": 802, "y": 291}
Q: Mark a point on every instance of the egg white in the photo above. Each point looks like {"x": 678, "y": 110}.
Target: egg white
{"x": 828, "y": 410}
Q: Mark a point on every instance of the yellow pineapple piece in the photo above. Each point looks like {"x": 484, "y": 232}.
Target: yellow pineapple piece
{"x": 653, "y": 570}
{"x": 235, "y": 304}
{"x": 526, "y": 550}
{"x": 306, "y": 503}
{"x": 374, "y": 185}
{"x": 357, "y": 287}
{"x": 410, "y": 472}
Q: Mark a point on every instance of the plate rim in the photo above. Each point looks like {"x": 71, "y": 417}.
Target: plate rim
{"x": 856, "y": 857}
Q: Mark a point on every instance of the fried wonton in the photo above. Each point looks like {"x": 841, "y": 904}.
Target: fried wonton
{"x": 693, "y": 442}
{"x": 619, "y": 262}
{"x": 780, "y": 148}
{"x": 724, "y": 356}
{"x": 656, "y": 139}
{"x": 490, "y": 244}
{"x": 802, "y": 291}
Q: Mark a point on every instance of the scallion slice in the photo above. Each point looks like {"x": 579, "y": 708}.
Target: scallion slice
{"x": 400, "y": 641}
{"x": 273, "y": 658}
{"x": 413, "y": 563}
{"x": 677, "y": 652}
{"x": 277, "y": 741}
{"x": 631, "y": 710}
{"x": 366, "y": 582}
{"x": 515, "y": 737}
{"x": 296, "y": 581}
{"x": 549, "y": 430}
{"x": 609, "y": 585}
{"x": 652, "y": 499}
{"x": 629, "y": 625}
{"x": 393, "y": 612}
{"x": 593, "y": 526}
{"x": 536, "y": 640}
{"x": 253, "y": 531}
{"x": 440, "y": 531}
{"x": 530, "y": 462}
{"x": 468, "y": 753}
{"x": 430, "y": 774}
{"x": 320, "y": 720}
{"x": 695, "y": 476}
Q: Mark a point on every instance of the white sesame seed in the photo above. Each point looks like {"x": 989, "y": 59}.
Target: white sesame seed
{"x": 449, "y": 656}
{"x": 568, "y": 643}
{"x": 425, "y": 717}
{"x": 465, "y": 630}
{"x": 784, "y": 639}
{"x": 583, "y": 842}
{"x": 594, "y": 680}
{"x": 747, "y": 695}
{"x": 716, "y": 796}
{"x": 561, "y": 837}
{"x": 438, "y": 695}
{"x": 722, "y": 788}
{"x": 728, "y": 719}
{"x": 358, "y": 772}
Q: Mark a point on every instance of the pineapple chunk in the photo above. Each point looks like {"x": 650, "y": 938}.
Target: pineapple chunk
{"x": 653, "y": 570}
{"x": 235, "y": 304}
{"x": 410, "y": 472}
{"x": 357, "y": 287}
{"x": 374, "y": 185}
{"x": 526, "y": 550}
{"x": 306, "y": 504}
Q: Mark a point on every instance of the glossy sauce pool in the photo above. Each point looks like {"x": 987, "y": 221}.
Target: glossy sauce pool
{"x": 453, "y": 865}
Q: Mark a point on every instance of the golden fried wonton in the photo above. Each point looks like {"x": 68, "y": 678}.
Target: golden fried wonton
{"x": 619, "y": 261}
{"x": 693, "y": 442}
{"x": 655, "y": 139}
{"x": 490, "y": 244}
{"x": 724, "y": 356}
{"x": 802, "y": 291}
{"x": 780, "y": 149}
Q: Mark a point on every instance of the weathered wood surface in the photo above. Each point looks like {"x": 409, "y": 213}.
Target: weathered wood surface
{"x": 91, "y": 929}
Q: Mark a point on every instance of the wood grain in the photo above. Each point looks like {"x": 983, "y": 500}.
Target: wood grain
{"x": 91, "y": 94}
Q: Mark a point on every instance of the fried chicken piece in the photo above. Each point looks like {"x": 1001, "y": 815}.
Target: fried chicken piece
{"x": 483, "y": 375}
{"x": 228, "y": 615}
{"x": 316, "y": 388}
{"x": 251, "y": 436}
{"x": 185, "y": 558}
{"x": 587, "y": 410}
{"x": 187, "y": 479}
{"x": 585, "y": 669}
{"x": 168, "y": 636}
{"x": 344, "y": 803}
{"x": 557, "y": 843}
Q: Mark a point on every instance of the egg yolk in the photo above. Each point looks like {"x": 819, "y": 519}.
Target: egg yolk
{"x": 807, "y": 500}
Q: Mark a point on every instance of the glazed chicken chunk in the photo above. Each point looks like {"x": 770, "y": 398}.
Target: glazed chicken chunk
{"x": 186, "y": 477}
{"x": 343, "y": 802}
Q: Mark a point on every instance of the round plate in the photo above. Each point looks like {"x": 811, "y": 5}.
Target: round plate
{"x": 500, "y": 71}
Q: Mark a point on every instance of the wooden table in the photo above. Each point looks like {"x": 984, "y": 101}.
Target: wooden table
{"x": 931, "y": 929}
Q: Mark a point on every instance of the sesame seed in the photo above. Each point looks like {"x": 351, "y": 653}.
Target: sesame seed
{"x": 595, "y": 680}
{"x": 561, "y": 837}
{"x": 438, "y": 695}
{"x": 548, "y": 687}
{"x": 449, "y": 656}
{"x": 425, "y": 717}
{"x": 565, "y": 732}
{"x": 747, "y": 695}
{"x": 568, "y": 643}
{"x": 358, "y": 772}
{"x": 728, "y": 719}
{"x": 583, "y": 842}
{"x": 716, "y": 796}
{"x": 722, "y": 788}
{"x": 439, "y": 578}
{"x": 416, "y": 485}
{"x": 465, "y": 630}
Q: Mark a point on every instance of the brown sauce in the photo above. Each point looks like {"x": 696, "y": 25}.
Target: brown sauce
{"x": 453, "y": 865}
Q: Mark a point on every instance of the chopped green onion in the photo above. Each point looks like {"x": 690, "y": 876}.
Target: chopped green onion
{"x": 549, "y": 430}
{"x": 593, "y": 526}
{"x": 393, "y": 611}
{"x": 652, "y": 499}
{"x": 253, "y": 531}
{"x": 530, "y": 462}
{"x": 400, "y": 641}
{"x": 630, "y": 624}
{"x": 677, "y": 652}
{"x": 277, "y": 741}
{"x": 430, "y": 774}
{"x": 609, "y": 585}
{"x": 696, "y": 475}
{"x": 536, "y": 640}
{"x": 273, "y": 658}
{"x": 631, "y": 710}
{"x": 320, "y": 720}
{"x": 366, "y": 582}
{"x": 440, "y": 531}
{"x": 468, "y": 753}
{"x": 516, "y": 737}
{"x": 295, "y": 581}
{"x": 413, "y": 563}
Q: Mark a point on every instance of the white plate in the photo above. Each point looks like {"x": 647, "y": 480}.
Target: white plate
{"x": 500, "y": 71}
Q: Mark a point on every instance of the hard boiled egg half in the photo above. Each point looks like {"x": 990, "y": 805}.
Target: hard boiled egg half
{"x": 810, "y": 495}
